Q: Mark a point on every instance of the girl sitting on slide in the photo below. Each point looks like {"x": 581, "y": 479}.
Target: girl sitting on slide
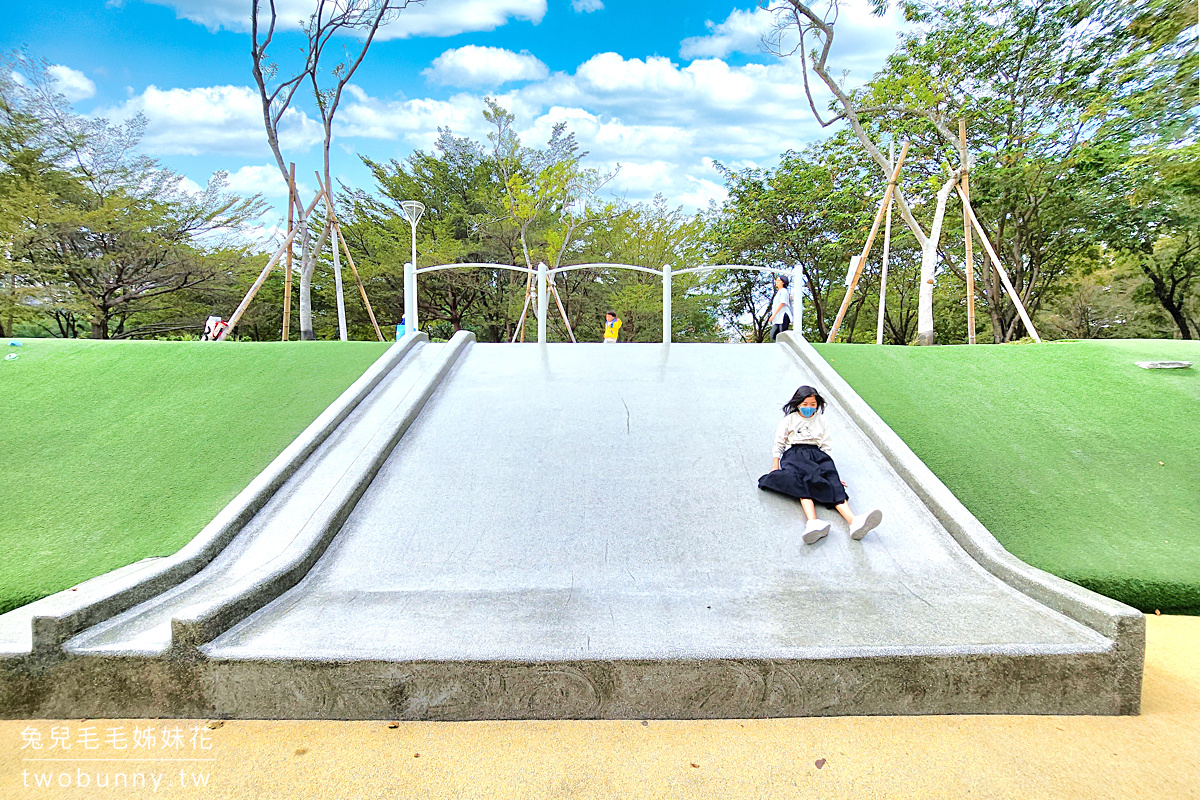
{"x": 804, "y": 470}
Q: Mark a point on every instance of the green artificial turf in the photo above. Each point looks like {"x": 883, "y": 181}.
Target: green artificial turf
{"x": 114, "y": 451}
{"x": 1078, "y": 461}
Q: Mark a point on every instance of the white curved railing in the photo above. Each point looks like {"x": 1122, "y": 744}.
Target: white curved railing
{"x": 477, "y": 264}
{"x": 544, "y": 274}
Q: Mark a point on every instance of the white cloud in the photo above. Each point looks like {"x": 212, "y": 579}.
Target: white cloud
{"x": 224, "y": 120}
{"x": 741, "y": 32}
{"x": 663, "y": 121}
{"x": 861, "y": 39}
{"x": 707, "y": 94}
{"x": 73, "y": 84}
{"x": 484, "y": 67}
{"x": 189, "y": 186}
{"x": 264, "y": 179}
{"x": 434, "y": 18}
{"x": 587, "y": 6}
{"x": 452, "y": 17}
{"x": 413, "y": 121}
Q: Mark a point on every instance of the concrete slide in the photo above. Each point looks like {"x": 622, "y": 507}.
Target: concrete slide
{"x": 478, "y": 531}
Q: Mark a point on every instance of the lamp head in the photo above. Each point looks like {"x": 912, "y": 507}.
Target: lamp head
{"x": 413, "y": 210}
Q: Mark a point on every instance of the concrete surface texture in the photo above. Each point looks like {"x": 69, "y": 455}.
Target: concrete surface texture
{"x": 576, "y": 531}
{"x": 1148, "y": 757}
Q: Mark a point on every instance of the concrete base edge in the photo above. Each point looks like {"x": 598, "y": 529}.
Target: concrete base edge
{"x": 985, "y": 683}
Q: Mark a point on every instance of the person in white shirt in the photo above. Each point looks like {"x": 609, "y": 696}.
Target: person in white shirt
{"x": 804, "y": 469}
{"x": 781, "y": 307}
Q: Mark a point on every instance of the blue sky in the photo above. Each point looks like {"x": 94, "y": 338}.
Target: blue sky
{"x": 663, "y": 88}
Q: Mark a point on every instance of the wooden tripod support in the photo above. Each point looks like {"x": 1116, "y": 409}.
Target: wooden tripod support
{"x": 968, "y": 256}
{"x": 862, "y": 259}
{"x": 339, "y": 237}
{"x": 262, "y": 277}
{"x": 520, "y": 331}
{"x": 1012, "y": 293}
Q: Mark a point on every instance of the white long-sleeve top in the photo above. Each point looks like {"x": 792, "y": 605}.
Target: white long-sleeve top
{"x": 796, "y": 429}
{"x": 781, "y": 306}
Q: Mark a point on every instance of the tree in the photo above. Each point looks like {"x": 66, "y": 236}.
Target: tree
{"x": 1055, "y": 91}
{"x": 915, "y": 101}
{"x": 544, "y": 187}
{"x": 460, "y": 187}
{"x": 1100, "y": 301}
{"x": 539, "y": 206}
{"x": 330, "y": 18}
{"x": 1150, "y": 212}
{"x": 1056, "y": 94}
{"x": 1157, "y": 229}
{"x": 651, "y": 235}
{"x": 802, "y": 212}
{"x": 98, "y": 231}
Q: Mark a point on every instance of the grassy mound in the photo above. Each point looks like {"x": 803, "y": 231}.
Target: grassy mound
{"x": 114, "y": 451}
{"x": 1079, "y": 462}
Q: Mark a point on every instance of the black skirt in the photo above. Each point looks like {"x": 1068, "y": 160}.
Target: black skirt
{"x": 806, "y": 472}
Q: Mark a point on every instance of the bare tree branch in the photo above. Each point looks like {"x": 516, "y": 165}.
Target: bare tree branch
{"x": 330, "y": 18}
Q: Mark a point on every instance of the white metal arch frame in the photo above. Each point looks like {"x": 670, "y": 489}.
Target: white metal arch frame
{"x": 544, "y": 274}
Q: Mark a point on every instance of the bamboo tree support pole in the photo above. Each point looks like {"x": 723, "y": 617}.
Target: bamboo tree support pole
{"x": 339, "y": 236}
{"x": 968, "y": 256}
{"x": 862, "y": 259}
{"x": 887, "y": 247}
{"x": 12, "y": 301}
{"x": 561, "y": 310}
{"x": 530, "y": 297}
{"x": 287, "y": 269}
{"x": 1012, "y": 293}
{"x": 361, "y": 289}
{"x": 339, "y": 296}
{"x": 262, "y": 277}
{"x": 520, "y": 330}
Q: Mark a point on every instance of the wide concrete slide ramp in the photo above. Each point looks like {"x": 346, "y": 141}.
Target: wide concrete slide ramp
{"x": 529, "y": 531}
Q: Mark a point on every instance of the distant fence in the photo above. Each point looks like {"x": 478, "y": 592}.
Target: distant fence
{"x": 544, "y": 274}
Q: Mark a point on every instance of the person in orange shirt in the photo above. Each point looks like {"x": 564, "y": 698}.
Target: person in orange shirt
{"x": 612, "y": 326}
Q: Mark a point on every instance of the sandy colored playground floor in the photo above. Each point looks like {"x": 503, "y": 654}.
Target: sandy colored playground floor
{"x": 1154, "y": 755}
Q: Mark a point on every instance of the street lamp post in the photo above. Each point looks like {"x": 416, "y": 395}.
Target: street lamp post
{"x": 413, "y": 211}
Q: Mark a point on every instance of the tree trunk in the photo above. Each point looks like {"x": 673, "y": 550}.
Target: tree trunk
{"x": 929, "y": 254}
{"x": 309, "y": 257}
{"x": 306, "y": 320}
{"x": 1176, "y": 312}
{"x": 305, "y": 299}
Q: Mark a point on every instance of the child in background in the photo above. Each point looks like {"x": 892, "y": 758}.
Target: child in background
{"x": 804, "y": 470}
{"x": 612, "y": 326}
{"x": 781, "y": 308}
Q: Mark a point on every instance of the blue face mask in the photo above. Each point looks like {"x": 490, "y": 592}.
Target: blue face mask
{"x": 806, "y": 411}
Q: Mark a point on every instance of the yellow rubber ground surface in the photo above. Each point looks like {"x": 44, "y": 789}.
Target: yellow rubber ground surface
{"x": 1154, "y": 755}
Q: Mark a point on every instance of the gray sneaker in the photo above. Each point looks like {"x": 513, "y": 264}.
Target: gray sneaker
{"x": 864, "y": 523}
{"x": 814, "y": 530}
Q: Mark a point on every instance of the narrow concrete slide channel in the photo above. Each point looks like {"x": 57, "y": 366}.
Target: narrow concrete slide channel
{"x": 480, "y": 531}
